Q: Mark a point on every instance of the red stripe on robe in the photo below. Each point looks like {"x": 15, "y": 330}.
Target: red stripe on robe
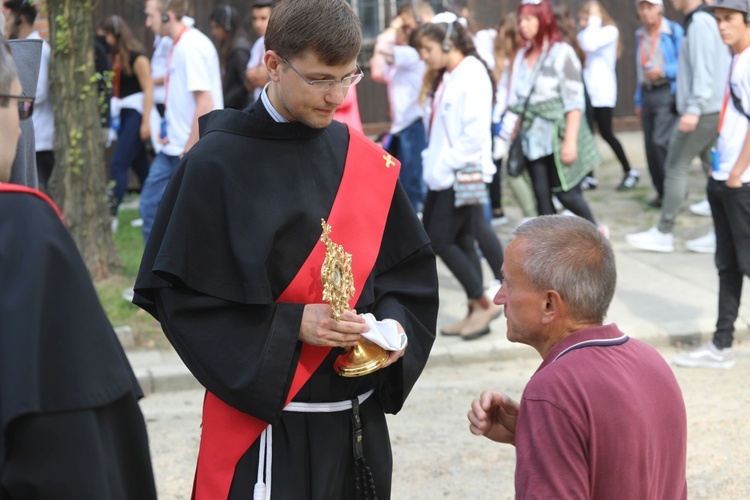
{"x": 17, "y": 188}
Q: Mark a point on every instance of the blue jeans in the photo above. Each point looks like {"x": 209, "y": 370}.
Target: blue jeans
{"x": 130, "y": 150}
{"x": 411, "y": 141}
{"x": 730, "y": 209}
{"x": 161, "y": 171}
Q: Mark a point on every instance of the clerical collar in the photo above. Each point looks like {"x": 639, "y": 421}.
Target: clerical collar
{"x": 269, "y": 107}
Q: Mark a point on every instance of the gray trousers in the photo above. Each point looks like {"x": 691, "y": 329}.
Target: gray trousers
{"x": 682, "y": 149}
{"x": 658, "y": 119}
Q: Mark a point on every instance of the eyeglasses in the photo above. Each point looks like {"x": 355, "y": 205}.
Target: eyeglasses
{"x": 25, "y": 105}
{"x": 326, "y": 85}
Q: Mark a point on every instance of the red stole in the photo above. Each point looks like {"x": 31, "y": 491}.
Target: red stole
{"x": 17, "y": 188}
{"x": 357, "y": 219}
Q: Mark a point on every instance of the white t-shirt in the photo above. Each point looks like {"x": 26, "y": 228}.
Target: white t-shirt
{"x": 256, "y": 56}
{"x": 460, "y": 125}
{"x": 194, "y": 66}
{"x": 484, "y": 41}
{"x": 600, "y": 45}
{"x": 162, "y": 44}
{"x": 735, "y": 125}
{"x": 404, "y": 81}
{"x": 44, "y": 115}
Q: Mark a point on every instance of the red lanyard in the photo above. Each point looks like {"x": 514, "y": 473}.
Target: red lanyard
{"x": 169, "y": 63}
{"x": 727, "y": 91}
{"x": 436, "y": 102}
{"x": 117, "y": 68}
{"x": 652, "y": 49}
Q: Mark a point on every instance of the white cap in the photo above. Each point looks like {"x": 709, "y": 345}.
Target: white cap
{"x": 654, "y": 2}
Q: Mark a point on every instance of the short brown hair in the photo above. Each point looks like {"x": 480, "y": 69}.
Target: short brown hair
{"x": 328, "y": 28}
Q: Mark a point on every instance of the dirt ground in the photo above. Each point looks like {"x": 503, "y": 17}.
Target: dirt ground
{"x": 435, "y": 455}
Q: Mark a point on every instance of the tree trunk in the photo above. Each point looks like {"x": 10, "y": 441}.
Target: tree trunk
{"x": 78, "y": 183}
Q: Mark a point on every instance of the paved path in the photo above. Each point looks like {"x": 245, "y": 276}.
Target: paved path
{"x": 664, "y": 299}
{"x": 435, "y": 456}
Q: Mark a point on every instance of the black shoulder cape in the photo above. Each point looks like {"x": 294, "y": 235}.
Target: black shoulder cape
{"x": 67, "y": 393}
{"x": 238, "y": 219}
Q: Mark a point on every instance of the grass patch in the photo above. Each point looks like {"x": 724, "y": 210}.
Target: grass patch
{"x": 129, "y": 244}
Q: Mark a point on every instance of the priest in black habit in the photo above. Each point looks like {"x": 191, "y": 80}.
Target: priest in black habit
{"x": 70, "y": 425}
{"x": 232, "y": 270}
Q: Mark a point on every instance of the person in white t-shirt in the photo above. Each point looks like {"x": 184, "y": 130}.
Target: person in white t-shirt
{"x": 256, "y": 75}
{"x": 192, "y": 88}
{"x": 398, "y": 65}
{"x": 729, "y": 188}
{"x": 599, "y": 38}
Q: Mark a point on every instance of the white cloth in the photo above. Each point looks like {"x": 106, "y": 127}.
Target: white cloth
{"x": 735, "y": 126}
{"x": 460, "y": 125}
{"x": 257, "y": 52}
{"x": 194, "y": 67}
{"x": 600, "y": 45}
{"x": 384, "y": 333}
{"x": 44, "y": 115}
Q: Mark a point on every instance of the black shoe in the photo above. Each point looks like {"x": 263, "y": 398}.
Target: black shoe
{"x": 589, "y": 183}
{"x": 629, "y": 181}
{"x": 655, "y": 203}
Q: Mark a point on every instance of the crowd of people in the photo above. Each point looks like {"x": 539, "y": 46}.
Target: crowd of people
{"x": 233, "y": 256}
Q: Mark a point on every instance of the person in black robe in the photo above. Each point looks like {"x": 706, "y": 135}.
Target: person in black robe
{"x": 70, "y": 425}
{"x": 238, "y": 220}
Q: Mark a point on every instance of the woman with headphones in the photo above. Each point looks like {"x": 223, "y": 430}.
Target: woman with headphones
{"x": 462, "y": 92}
{"x": 234, "y": 53}
{"x": 133, "y": 96}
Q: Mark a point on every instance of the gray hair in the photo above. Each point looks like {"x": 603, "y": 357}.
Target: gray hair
{"x": 570, "y": 255}
{"x": 8, "y": 71}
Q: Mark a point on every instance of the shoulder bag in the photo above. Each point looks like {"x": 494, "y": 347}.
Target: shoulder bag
{"x": 516, "y": 160}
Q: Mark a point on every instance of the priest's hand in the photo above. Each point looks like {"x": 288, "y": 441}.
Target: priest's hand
{"x": 394, "y": 356}
{"x": 320, "y": 329}
{"x": 494, "y": 415}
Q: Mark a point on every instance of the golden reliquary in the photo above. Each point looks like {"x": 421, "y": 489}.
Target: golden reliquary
{"x": 338, "y": 290}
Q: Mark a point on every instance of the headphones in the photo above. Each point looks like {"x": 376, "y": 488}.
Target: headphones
{"x": 115, "y": 27}
{"x": 164, "y": 15}
{"x": 18, "y": 20}
{"x": 448, "y": 32}
{"x": 228, "y": 18}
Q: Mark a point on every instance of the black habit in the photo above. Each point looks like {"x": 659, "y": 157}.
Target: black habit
{"x": 237, "y": 221}
{"x": 69, "y": 416}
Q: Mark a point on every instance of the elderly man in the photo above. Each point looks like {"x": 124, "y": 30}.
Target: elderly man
{"x": 603, "y": 416}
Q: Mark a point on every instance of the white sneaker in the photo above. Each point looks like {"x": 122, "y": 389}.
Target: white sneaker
{"x": 114, "y": 224}
{"x": 556, "y": 203}
{"x": 136, "y": 222}
{"x": 701, "y": 208}
{"x": 652, "y": 240}
{"x": 706, "y": 356}
{"x": 492, "y": 289}
{"x": 704, "y": 244}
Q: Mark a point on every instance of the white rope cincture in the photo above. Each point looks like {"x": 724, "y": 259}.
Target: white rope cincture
{"x": 262, "y": 489}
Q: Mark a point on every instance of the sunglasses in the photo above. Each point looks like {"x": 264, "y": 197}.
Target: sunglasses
{"x": 25, "y": 105}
